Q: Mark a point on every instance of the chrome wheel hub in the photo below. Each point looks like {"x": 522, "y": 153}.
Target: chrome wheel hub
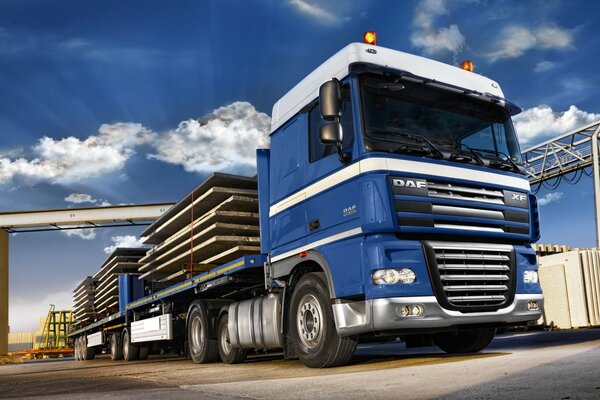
{"x": 309, "y": 320}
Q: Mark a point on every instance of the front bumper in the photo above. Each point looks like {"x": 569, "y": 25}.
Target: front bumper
{"x": 384, "y": 314}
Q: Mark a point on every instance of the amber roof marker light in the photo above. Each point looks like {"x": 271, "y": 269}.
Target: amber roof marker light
{"x": 370, "y": 37}
{"x": 467, "y": 66}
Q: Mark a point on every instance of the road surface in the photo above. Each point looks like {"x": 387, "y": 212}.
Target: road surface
{"x": 560, "y": 365}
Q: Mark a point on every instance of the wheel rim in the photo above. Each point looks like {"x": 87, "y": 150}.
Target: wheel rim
{"x": 113, "y": 346}
{"x": 309, "y": 319}
{"x": 196, "y": 334}
{"x": 224, "y": 338}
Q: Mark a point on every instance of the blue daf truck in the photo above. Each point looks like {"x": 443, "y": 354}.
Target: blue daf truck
{"x": 393, "y": 205}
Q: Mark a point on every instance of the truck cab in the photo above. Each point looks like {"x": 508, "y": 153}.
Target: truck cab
{"x": 399, "y": 181}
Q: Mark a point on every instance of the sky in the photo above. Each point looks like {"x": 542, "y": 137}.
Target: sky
{"x": 112, "y": 102}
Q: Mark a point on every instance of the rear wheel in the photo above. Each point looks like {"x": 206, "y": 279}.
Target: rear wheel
{"x": 202, "y": 348}
{"x": 77, "y": 349}
{"x": 312, "y": 326}
{"x": 467, "y": 341}
{"x": 116, "y": 350}
{"x": 130, "y": 351}
{"x": 228, "y": 353}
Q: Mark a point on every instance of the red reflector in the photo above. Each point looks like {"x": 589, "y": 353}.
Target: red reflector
{"x": 303, "y": 254}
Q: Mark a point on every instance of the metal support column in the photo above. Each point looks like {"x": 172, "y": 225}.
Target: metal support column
{"x": 596, "y": 167}
{"x": 3, "y": 292}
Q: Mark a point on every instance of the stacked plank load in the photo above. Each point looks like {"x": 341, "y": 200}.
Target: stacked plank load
{"x": 214, "y": 224}
{"x": 122, "y": 260}
{"x": 83, "y": 302}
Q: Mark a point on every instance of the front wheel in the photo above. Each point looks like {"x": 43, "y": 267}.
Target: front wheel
{"x": 466, "y": 341}
{"x": 312, "y": 327}
{"x": 228, "y": 353}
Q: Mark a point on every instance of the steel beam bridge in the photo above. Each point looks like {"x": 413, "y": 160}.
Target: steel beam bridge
{"x": 56, "y": 220}
{"x": 565, "y": 155}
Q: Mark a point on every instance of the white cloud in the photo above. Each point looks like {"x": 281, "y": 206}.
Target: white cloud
{"x": 431, "y": 39}
{"x": 71, "y": 159}
{"x": 224, "y": 140}
{"x": 25, "y": 311}
{"x": 540, "y": 123}
{"x": 514, "y": 41}
{"x": 127, "y": 241}
{"x": 314, "y": 10}
{"x": 78, "y": 198}
{"x": 550, "y": 198}
{"x": 544, "y": 66}
{"x": 84, "y": 233}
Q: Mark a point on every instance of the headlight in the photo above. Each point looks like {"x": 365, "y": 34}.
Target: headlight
{"x": 393, "y": 276}
{"x": 530, "y": 276}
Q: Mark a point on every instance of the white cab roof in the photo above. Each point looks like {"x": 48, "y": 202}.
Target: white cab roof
{"x": 337, "y": 67}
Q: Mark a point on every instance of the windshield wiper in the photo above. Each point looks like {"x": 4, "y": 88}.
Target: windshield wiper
{"x": 433, "y": 150}
{"x": 500, "y": 163}
{"x": 477, "y": 158}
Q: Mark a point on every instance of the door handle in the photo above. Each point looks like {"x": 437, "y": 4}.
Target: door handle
{"x": 314, "y": 225}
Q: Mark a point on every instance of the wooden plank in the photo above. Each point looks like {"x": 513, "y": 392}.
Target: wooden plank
{"x": 218, "y": 229}
{"x": 245, "y": 213}
{"x": 200, "y": 206}
{"x": 215, "y": 180}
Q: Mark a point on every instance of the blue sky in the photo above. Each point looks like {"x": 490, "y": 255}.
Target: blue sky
{"x": 100, "y": 100}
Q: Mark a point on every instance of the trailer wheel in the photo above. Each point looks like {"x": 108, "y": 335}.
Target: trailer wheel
{"x": 89, "y": 353}
{"x": 312, "y": 327}
{"x": 202, "y": 348}
{"x": 144, "y": 352}
{"x": 130, "y": 351}
{"x": 228, "y": 354}
{"x": 76, "y": 349}
{"x": 116, "y": 349}
{"x": 466, "y": 341}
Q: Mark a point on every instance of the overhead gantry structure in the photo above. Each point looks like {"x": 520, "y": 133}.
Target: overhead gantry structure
{"x": 63, "y": 219}
{"x": 567, "y": 154}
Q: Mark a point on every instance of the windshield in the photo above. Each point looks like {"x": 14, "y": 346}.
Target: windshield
{"x": 413, "y": 118}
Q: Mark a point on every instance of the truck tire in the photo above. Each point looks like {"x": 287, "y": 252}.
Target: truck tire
{"x": 202, "y": 348}
{"x": 466, "y": 341}
{"x": 144, "y": 351}
{"x": 130, "y": 351}
{"x": 312, "y": 327}
{"x": 77, "y": 349}
{"x": 89, "y": 353}
{"x": 116, "y": 349}
{"x": 228, "y": 354}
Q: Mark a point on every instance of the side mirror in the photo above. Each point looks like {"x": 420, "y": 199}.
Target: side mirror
{"x": 331, "y": 133}
{"x": 330, "y": 99}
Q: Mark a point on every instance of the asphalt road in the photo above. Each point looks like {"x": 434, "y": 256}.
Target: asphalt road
{"x": 537, "y": 365}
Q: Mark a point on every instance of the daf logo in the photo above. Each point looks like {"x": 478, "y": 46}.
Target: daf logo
{"x": 519, "y": 197}
{"x": 410, "y": 183}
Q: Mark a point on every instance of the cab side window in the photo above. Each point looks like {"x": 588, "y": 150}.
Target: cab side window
{"x": 319, "y": 150}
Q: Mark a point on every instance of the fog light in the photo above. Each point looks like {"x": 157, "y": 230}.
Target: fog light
{"x": 393, "y": 276}
{"x": 533, "y": 306}
{"x": 530, "y": 276}
{"x": 413, "y": 310}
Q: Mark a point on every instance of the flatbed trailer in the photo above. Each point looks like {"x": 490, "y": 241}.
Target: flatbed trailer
{"x": 235, "y": 279}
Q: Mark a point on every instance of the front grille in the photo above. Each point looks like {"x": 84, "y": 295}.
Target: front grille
{"x": 471, "y": 277}
{"x": 464, "y": 192}
{"x": 427, "y": 206}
